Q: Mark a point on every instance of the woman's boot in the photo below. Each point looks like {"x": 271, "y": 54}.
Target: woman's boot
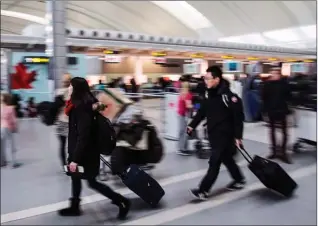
{"x": 72, "y": 210}
{"x": 123, "y": 205}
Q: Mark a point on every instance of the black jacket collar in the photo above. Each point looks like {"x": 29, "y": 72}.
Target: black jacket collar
{"x": 222, "y": 88}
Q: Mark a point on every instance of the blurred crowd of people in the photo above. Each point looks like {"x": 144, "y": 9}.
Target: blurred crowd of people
{"x": 210, "y": 98}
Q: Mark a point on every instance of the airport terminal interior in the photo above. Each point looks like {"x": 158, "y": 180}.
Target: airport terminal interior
{"x": 139, "y": 57}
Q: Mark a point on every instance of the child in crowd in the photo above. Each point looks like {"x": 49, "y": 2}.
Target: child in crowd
{"x": 8, "y": 128}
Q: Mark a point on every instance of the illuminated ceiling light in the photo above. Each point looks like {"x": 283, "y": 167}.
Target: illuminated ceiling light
{"x": 185, "y": 13}
{"x": 24, "y": 16}
{"x": 48, "y": 16}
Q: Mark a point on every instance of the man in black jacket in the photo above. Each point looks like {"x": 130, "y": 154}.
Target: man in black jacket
{"x": 275, "y": 95}
{"x": 224, "y": 114}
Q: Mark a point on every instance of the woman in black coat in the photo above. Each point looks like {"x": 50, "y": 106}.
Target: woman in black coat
{"x": 81, "y": 149}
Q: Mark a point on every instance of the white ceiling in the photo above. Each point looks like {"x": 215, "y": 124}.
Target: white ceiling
{"x": 205, "y": 19}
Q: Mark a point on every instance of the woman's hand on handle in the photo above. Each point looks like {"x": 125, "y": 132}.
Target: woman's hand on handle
{"x": 73, "y": 167}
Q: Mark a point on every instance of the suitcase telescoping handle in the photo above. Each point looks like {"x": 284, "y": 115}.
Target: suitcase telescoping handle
{"x": 245, "y": 154}
{"x": 105, "y": 162}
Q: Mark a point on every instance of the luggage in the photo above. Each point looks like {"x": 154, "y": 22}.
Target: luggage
{"x": 141, "y": 184}
{"x": 201, "y": 147}
{"x": 115, "y": 101}
{"x": 272, "y": 175}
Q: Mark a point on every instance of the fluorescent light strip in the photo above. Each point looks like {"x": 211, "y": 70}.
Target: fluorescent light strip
{"x": 24, "y": 16}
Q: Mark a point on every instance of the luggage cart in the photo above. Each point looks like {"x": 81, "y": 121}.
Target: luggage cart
{"x": 306, "y": 129}
{"x": 121, "y": 111}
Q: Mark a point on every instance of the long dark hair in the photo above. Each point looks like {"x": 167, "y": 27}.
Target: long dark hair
{"x": 81, "y": 93}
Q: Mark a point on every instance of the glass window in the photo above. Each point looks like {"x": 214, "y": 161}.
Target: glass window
{"x": 254, "y": 38}
{"x": 310, "y": 31}
{"x": 290, "y": 37}
{"x": 284, "y": 35}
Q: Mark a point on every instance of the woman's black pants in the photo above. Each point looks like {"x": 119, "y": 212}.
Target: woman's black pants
{"x": 63, "y": 149}
{"x": 97, "y": 186}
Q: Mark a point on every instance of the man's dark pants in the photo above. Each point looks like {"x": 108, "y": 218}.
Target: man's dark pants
{"x": 222, "y": 152}
{"x": 276, "y": 119}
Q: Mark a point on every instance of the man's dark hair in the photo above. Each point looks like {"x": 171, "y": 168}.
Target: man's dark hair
{"x": 215, "y": 71}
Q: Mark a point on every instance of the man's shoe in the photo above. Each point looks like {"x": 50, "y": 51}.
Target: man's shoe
{"x": 285, "y": 159}
{"x": 236, "y": 185}
{"x": 272, "y": 156}
{"x": 196, "y": 193}
{"x": 16, "y": 165}
{"x": 73, "y": 210}
{"x": 124, "y": 207}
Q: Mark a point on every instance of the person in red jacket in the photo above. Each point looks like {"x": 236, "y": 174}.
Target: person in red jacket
{"x": 184, "y": 106}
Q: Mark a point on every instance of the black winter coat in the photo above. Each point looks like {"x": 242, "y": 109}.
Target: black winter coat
{"x": 276, "y": 95}
{"x": 81, "y": 143}
{"x": 224, "y": 117}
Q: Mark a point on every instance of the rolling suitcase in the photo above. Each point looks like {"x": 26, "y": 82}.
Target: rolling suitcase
{"x": 272, "y": 175}
{"x": 143, "y": 185}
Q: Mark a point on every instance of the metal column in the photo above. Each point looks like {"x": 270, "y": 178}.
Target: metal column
{"x": 56, "y": 42}
{"x": 5, "y": 70}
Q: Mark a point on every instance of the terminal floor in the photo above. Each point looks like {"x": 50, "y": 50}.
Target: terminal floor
{"x": 30, "y": 195}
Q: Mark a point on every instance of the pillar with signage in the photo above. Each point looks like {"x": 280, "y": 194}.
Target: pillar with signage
{"x": 138, "y": 73}
{"x": 56, "y": 42}
{"x": 5, "y": 70}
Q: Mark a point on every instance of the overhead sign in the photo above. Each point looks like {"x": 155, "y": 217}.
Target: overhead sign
{"x": 191, "y": 69}
{"x": 252, "y": 58}
{"x": 36, "y": 60}
{"x": 292, "y": 60}
{"x": 197, "y": 55}
{"x": 160, "y": 60}
{"x": 112, "y": 59}
{"x": 111, "y": 52}
{"x": 159, "y": 54}
{"x": 191, "y": 61}
{"x": 308, "y": 61}
{"x": 227, "y": 57}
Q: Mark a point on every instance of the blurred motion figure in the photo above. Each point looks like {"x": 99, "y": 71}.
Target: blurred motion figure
{"x": 31, "y": 108}
{"x": 8, "y": 128}
{"x": 275, "y": 95}
{"x": 184, "y": 106}
{"x": 62, "y": 119}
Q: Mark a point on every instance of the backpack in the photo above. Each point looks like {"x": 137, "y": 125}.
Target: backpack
{"x": 105, "y": 135}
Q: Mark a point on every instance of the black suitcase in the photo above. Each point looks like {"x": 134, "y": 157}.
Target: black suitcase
{"x": 272, "y": 175}
{"x": 143, "y": 185}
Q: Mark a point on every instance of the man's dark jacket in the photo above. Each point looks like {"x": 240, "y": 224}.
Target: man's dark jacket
{"x": 275, "y": 96}
{"x": 224, "y": 113}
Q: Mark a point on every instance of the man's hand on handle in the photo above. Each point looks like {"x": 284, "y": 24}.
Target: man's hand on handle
{"x": 189, "y": 130}
{"x": 238, "y": 143}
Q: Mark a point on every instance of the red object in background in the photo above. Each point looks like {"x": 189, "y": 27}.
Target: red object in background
{"x": 22, "y": 79}
{"x": 171, "y": 105}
